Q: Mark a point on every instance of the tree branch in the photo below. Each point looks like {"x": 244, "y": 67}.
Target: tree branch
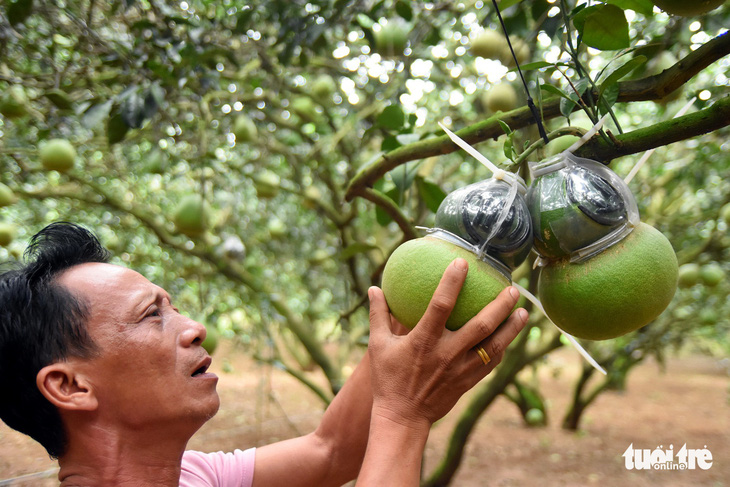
{"x": 650, "y": 88}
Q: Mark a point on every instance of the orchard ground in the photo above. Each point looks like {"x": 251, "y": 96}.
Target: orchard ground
{"x": 688, "y": 403}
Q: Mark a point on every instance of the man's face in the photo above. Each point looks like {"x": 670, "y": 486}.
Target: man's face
{"x": 151, "y": 367}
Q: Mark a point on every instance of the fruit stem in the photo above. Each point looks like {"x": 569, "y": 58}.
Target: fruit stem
{"x": 570, "y": 338}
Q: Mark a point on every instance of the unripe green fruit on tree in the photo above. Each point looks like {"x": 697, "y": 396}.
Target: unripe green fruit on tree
{"x": 725, "y": 213}
{"x": 614, "y": 292}
{"x": 391, "y": 39}
{"x": 490, "y": 44}
{"x": 7, "y": 234}
{"x": 7, "y": 197}
{"x": 323, "y": 87}
{"x": 708, "y": 316}
{"x": 277, "y": 228}
{"x": 522, "y": 51}
{"x": 58, "y": 155}
{"x": 689, "y": 274}
{"x": 14, "y": 104}
{"x": 414, "y": 270}
{"x": 244, "y": 129}
{"x": 712, "y": 275}
{"x": 535, "y": 417}
{"x": 191, "y": 217}
{"x": 500, "y": 98}
{"x": 305, "y": 108}
{"x": 266, "y": 184}
{"x": 560, "y": 144}
{"x": 211, "y": 339}
{"x": 687, "y": 8}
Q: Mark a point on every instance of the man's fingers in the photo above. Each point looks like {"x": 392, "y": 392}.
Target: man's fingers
{"x": 488, "y": 319}
{"x": 496, "y": 344}
{"x": 380, "y": 324}
{"x": 444, "y": 298}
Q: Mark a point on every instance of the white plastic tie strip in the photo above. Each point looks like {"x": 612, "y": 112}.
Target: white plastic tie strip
{"x": 570, "y": 337}
{"x": 640, "y": 163}
{"x": 498, "y": 173}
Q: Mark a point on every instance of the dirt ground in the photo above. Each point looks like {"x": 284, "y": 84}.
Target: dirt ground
{"x": 689, "y": 403}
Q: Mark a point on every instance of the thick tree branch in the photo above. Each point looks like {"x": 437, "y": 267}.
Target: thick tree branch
{"x": 650, "y": 88}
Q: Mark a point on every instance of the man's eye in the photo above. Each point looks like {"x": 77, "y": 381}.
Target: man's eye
{"x": 154, "y": 313}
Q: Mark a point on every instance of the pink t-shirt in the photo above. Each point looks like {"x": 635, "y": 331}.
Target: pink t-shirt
{"x": 219, "y": 469}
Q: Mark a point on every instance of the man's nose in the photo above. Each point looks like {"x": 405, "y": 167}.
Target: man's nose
{"x": 193, "y": 332}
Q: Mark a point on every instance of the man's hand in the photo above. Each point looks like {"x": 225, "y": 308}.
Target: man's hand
{"x": 418, "y": 377}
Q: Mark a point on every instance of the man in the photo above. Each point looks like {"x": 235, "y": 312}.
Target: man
{"x": 98, "y": 365}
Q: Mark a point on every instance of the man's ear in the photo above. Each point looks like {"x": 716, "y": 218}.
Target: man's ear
{"x": 66, "y": 388}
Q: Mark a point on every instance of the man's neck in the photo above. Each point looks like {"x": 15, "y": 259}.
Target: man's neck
{"x": 140, "y": 458}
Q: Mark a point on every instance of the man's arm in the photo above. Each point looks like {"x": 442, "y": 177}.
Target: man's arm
{"x": 416, "y": 379}
{"x": 333, "y": 453}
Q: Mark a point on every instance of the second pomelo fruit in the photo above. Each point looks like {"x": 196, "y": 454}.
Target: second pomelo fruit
{"x": 414, "y": 270}
{"x": 58, "y": 155}
{"x": 191, "y": 217}
{"x": 500, "y": 98}
{"x": 615, "y": 292}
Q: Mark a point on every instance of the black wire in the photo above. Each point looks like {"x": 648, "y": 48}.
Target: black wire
{"x": 530, "y": 103}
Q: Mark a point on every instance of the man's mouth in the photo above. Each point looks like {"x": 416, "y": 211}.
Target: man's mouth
{"x": 202, "y": 368}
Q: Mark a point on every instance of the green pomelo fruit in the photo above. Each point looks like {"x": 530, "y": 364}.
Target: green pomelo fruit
{"x": 687, "y": 8}
{"x": 7, "y": 197}
{"x": 7, "y": 234}
{"x": 277, "y": 228}
{"x": 244, "y": 129}
{"x": 560, "y": 144}
{"x": 725, "y": 213}
{"x": 211, "y": 339}
{"x": 689, "y": 274}
{"x": 414, "y": 270}
{"x": 14, "y": 104}
{"x": 58, "y": 155}
{"x": 191, "y": 216}
{"x": 501, "y": 98}
{"x": 535, "y": 417}
{"x": 305, "y": 108}
{"x": 489, "y": 44}
{"x": 522, "y": 51}
{"x": 323, "y": 87}
{"x": 712, "y": 274}
{"x": 708, "y": 316}
{"x": 392, "y": 38}
{"x": 266, "y": 184}
{"x": 615, "y": 292}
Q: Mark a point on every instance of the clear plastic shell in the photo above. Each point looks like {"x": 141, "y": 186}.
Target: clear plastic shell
{"x": 579, "y": 207}
{"x": 491, "y": 217}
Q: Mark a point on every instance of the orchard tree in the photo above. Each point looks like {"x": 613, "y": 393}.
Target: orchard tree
{"x": 262, "y": 160}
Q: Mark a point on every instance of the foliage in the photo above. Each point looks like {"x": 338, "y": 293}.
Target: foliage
{"x": 149, "y": 93}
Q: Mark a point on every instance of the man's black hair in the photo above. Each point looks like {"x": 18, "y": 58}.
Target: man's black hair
{"x": 42, "y": 323}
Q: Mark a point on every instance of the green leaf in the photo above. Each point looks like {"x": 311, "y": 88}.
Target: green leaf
{"x": 116, "y": 129}
{"x": 392, "y": 118}
{"x": 380, "y": 215}
{"x": 357, "y": 248}
{"x": 608, "y": 97}
{"x": 431, "y": 194}
{"x": 404, "y": 174}
{"x": 568, "y": 105}
{"x": 18, "y": 11}
{"x": 554, "y": 90}
{"x": 622, "y": 71}
{"x": 404, "y": 10}
{"x": 603, "y": 27}
{"x": 535, "y": 65}
{"x": 644, "y": 7}
{"x": 505, "y": 127}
